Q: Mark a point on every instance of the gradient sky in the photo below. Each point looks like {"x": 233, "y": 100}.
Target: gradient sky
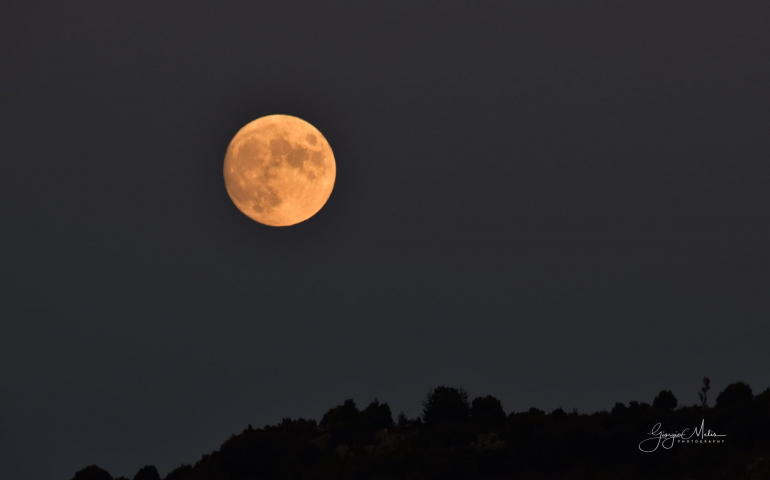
{"x": 557, "y": 203}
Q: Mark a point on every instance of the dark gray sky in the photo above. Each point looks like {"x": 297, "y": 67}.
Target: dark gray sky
{"x": 557, "y": 203}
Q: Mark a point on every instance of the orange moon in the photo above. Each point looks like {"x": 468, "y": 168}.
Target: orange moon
{"x": 279, "y": 170}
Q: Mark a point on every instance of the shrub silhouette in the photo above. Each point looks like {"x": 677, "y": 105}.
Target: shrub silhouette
{"x": 665, "y": 401}
{"x": 445, "y": 405}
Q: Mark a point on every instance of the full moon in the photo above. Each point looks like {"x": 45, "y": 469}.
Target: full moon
{"x": 279, "y": 170}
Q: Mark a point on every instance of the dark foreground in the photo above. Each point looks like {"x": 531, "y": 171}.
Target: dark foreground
{"x": 459, "y": 439}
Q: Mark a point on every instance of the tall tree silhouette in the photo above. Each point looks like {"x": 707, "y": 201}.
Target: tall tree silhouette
{"x": 703, "y": 394}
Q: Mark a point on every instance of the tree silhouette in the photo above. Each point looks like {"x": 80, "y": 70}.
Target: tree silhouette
{"x": 703, "y": 394}
{"x": 619, "y": 410}
{"x": 402, "y": 422}
{"x": 762, "y": 401}
{"x": 377, "y": 416}
{"x": 184, "y": 472}
{"x": 148, "y": 472}
{"x": 92, "y": 473}
{"x": 445, "y": 405}
{"x": 734, "y": 396}
{"x": 342, "y": 421}
{"x": 348, "y": 425}
{"x": 665, "y": 401}
{"x": 476, "y": 440}
{"x": 487, "y": 412}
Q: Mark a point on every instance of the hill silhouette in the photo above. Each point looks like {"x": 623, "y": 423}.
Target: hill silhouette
{"x": 459, "y": 438}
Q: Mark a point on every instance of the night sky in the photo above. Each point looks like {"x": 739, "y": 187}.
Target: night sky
{"x": 558, "y": 203}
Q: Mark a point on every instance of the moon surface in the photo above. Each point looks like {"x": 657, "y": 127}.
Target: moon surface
{"x": 279, "y": 170}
